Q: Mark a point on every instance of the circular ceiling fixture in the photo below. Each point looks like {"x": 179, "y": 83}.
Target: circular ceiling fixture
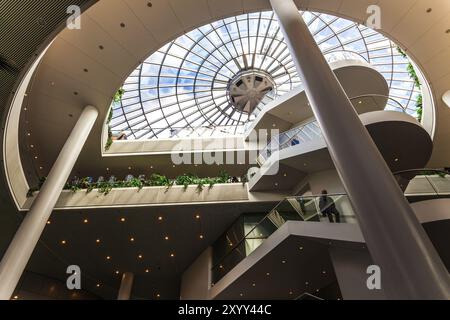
{"x": 248, "y": 88}
{"x": 215, "y": 79}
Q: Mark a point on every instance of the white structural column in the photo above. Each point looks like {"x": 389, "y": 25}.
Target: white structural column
{"x": 19, "y": 252}
{"x": 126, "y": 286}
{"x": 410, "y": 265}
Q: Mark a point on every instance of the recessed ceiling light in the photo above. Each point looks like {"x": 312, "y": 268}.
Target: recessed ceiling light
{"x": 132, "y": 239}
{"x": 117, "y": 272}
{"x": 166, "y": 238}
{"x": 97, "y": 241}
{"x": 85, "y": 221}
{"x": 129, "y": 168}
{"x": 306, "y": 283}
{"x": 197, "y": 216}
{"x": 16, "y": 297}
{"x": 140, "y": 256}
{"x": 396, "y": 159}
{"x": 268, "y": 274}
{"x": 158, "y": 296}
{"x": 98, "y": 285}
{"x": 49, "y": 222}
{"x": 283, "y": 261}
{"x": 201, "y": 236}
{"x": 147, "y": 270}
{"x": 32, "y": 146}
{"x": 324, "y": 272}
{"x": 172, "y": 255}
{"x": 360, "y": 102}
{"x": 291, "y": 293}
{"x": 108, "y": 258}
{"x": 301, "y": 248}
{"x": 253, "y": 284}
{"x": 241, "y": 294}
{"x": 160, "y": 218}
{"x": 122, "y": 220}
{"x": 63, "y": 242}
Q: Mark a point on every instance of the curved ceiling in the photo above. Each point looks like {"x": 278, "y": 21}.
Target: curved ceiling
{"x": 54, "y": 112}
{"x": 118, "y": 35}
{"x": 185, "y": 87}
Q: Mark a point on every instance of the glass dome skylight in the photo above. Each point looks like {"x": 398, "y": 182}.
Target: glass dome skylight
{"x": 196, "y": 85}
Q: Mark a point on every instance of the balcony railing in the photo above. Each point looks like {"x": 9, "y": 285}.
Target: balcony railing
{"x": 424, "y": 182}
{"x": 178, "y": 132}
{"x": 329, "y": 209}
{"x": 311, "y": 131}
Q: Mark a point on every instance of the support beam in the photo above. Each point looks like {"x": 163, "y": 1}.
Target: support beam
{"x": 126, "y": 286}
{"x": 21, "y": 248}
{"x": 410, "y": 265}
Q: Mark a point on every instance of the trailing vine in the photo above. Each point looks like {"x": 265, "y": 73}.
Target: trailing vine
{"x": 413, "y": 75}
{"x": 117, "y": 98}
{"x": 155, "y": 180}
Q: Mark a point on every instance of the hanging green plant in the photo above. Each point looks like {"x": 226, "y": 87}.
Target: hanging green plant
{"x": 119, "y": 95}
{"x": 413, "y": 75}
{"x": 156, "y": 180}
{"x": 419, "y": 107}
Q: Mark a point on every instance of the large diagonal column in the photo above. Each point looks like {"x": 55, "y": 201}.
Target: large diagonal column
{"x": 19, "y": 251}
{"x": 411, "y": 267}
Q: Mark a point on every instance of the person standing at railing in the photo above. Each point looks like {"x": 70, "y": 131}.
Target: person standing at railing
{"x": 328, "y": 208}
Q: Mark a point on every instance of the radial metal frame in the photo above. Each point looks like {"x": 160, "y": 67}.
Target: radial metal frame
{"x": 193, "y": 93}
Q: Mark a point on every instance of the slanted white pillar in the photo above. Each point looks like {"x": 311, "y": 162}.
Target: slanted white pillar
{"x": 126, "y": 286}
{"x": 19, "y": 252}
{"x": 410, "y": 266}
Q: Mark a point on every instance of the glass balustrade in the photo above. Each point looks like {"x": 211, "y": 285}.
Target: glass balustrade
{"x": 231, "y": 249}
{"x": 424, "y": 182}
{"x": 311, "y": 131}
{"x": 179, "y": 132}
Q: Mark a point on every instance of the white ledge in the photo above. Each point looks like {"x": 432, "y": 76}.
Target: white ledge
{"x": 158, "y": 196}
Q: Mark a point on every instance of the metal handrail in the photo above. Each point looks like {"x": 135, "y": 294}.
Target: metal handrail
{"x": 234, "y": 247}
{"x": 303, "y": 126}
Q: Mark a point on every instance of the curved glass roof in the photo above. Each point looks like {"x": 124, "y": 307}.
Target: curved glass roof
{"x": 183, "y": 89}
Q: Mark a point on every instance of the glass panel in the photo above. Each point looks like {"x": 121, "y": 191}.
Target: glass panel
{"x": 257, "y": 228}
{"x": 204, "y": 61}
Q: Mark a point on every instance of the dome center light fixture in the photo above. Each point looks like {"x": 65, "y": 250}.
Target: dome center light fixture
{"x": 248, "y": 88}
